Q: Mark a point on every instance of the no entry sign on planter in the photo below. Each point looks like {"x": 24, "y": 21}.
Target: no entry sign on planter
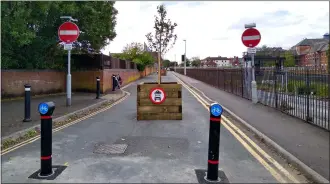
{"x": 251, "y": 37}
{"x": 68, "y": 32}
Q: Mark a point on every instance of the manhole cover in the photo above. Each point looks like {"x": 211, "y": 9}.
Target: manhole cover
{"x": 110, "y": 148}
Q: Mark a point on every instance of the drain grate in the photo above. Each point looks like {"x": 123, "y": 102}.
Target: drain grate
{"x": 110, "y": 148}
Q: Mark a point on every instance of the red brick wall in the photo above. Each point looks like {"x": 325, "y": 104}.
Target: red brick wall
{"x": 12, "y": 82}
{"x": 45, "y": 82}
{"x": 85, "y": 81}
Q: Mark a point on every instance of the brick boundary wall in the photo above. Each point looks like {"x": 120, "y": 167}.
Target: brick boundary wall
{"x": 53, "y": 81}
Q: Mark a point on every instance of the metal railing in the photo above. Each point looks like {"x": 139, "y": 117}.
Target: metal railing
{"x": 303, "y": 92}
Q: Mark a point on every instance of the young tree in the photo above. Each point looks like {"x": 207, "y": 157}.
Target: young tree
{"x": 164, "y": 37}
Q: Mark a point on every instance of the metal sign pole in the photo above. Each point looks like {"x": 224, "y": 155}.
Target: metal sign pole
{"x": 253, "y": 83}
{"x": 68, "y": 81}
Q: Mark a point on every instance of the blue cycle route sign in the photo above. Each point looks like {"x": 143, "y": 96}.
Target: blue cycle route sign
{"x": 43, "y": 108}
{"x": 216, "y": 109}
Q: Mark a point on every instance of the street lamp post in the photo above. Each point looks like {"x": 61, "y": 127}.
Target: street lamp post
{"x": 185, "y": 57}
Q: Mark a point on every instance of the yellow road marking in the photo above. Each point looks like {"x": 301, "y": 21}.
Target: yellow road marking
{"x": 239, "y": 133}
{"x": 62, "y": 127}
{"x": 260, "y": 150}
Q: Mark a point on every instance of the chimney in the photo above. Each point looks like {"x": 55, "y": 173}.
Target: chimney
{"x": 326, "y": 36}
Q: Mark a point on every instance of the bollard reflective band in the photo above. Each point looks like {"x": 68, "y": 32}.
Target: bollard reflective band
{"x": 215, "y": 119}
{"x": 27, "y": 89}
{"x": 45, "y": 117}
{"x": 98, "y": 79}
{"x": 213, "y": 161}
{"x": 46, "y": 157}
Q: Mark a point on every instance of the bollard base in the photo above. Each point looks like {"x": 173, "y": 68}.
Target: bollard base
{"x": 57, "y": 170}
{"x": 27, "y": 120}
{"x": 201, "y": 177}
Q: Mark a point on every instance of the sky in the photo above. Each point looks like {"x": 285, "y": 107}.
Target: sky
{"x": 214, "y": 28}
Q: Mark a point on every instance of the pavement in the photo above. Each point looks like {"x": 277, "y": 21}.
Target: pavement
{"x": 157, "y": 151}
{"x": 308, "y": 143}
{"x": 12, "y": 111}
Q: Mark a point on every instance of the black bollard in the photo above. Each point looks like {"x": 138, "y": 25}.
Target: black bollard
{"x": 114, "y": 84}
{"x": 98, "y": 90}
{"x": 214, "y": 142}
{"x": 46, "y": 110}
{"x": 27, "y": 103}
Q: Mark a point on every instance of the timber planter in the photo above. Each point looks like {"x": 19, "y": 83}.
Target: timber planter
{"x": 159, "y": 101}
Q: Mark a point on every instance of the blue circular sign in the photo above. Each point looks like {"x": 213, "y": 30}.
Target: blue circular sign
{"x": 43, "y": 108}
{"x": 216, "y": 109}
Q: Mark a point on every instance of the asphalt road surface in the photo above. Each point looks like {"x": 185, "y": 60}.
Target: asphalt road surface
{"x": 157, "y": 152}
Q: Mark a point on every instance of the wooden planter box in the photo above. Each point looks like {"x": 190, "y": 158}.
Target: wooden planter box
{"x": 163, "y": 72}
{"x": 170, "y": 109}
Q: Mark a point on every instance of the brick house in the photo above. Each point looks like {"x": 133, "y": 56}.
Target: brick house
{"x": 215, "y": 62}
{"x": 312, "y": 52}
{"x": 234, "y": 61}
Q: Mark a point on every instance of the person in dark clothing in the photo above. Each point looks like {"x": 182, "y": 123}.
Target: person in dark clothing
{"x": 119, "y": 80}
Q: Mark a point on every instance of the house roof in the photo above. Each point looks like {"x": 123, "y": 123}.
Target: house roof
{"x": 310, "y": 42}
{"x": 316, "y": 44}
{"x": 216, "y": 58}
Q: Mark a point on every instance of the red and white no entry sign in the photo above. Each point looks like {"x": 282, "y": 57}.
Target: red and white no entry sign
{"x": 157, "y": 95}
{"x": 251, "y": 37}
{"x": 68, "y": 32}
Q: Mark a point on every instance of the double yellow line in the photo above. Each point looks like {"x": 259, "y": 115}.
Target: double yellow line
{"x": 244, "y": 140}
{"x": 21, "y": 144}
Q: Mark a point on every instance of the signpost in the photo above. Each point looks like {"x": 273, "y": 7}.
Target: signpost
{"x": 68, "y": 32}
{"x": 251, "y": 38}
{"x": 157, "y": 95}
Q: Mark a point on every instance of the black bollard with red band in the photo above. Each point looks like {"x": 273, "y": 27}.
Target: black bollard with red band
{"x": 27, "y": 103}
{"x": 98, "y": 90}
{"x": 46, "y": 110}
{"x": 214, "y": 142}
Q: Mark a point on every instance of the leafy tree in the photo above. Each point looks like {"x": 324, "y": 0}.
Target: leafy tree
{"x": 134, "y": 52}
{"x": 173, "y": 64}
{"x": 166, "y": 63}
{"x": 164, "y": 37}
{"x": 30, "y": 31}
{"x": 289, "y": 59}
{"x": 195, "y": 61}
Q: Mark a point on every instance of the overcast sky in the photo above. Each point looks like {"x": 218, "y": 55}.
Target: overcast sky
{"x": 214, "y": 28}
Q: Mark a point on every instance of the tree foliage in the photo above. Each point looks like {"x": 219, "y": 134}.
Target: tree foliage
{"x": 166, "y": 63}
{"x": 289, "y": 59}
{"x": 195, "y": 61}
{"x": 29, "y": 31}
{"x": 134, "y": 52}
{"x": 163, "y": 38}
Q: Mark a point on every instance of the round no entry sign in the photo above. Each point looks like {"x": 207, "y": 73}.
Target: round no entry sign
{"x": 157, "y": 95}
{"x": 251, "y": 37}
{"x": 68, "y": 32}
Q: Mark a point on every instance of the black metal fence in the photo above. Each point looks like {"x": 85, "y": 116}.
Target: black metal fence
{"x": 99, "y": 61}
{"x": 303, "y": 92}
